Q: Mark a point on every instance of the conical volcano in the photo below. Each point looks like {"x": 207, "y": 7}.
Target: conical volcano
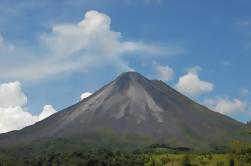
{"x": 137, "y": 106}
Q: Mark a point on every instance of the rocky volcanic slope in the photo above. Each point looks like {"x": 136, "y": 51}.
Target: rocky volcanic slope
{"x": 135, "y": 105}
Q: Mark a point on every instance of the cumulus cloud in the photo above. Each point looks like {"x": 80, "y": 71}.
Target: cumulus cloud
{"x": 164, "y": 73}
{"x": 11, "y": 95}
{"x": 13, "y": 115}
{"x": 85, "y": 95}
{"x": 14, "y": 118}
{"x": 48, "y": 110}
{"x": 70, "y": 47}
{"x": 191, "y": 84}
{"x": 225, "y": 105}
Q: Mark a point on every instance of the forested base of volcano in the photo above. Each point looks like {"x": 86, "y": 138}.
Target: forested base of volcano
{"x": 237, "y": 153}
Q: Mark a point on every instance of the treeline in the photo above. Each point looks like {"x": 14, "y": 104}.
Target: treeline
{"x": 93, "y": 158}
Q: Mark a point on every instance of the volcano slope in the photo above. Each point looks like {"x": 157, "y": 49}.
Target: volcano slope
{"x": 134, "y": 111}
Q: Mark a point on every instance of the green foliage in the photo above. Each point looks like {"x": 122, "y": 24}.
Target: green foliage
{"x": 186, "y": 160}
{"x": 210, "y": 157}
{"x": 240, "y": 147}
{"x": 220, "y": 163}
{"x": 121, "y": 158}
{"x": 61, "y": 154}
{"x": 231, "y": 162}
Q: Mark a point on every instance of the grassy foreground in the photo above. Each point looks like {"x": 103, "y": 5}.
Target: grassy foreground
{"x": 201, "y": 160}
{"x": 105, "y": 158}
{"x": 237, "y": 154}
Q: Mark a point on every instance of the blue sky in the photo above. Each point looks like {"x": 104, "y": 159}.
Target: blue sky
{"x": 207, "y": 42}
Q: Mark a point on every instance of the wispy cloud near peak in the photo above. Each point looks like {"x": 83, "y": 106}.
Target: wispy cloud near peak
{"x": 71, "y": 47}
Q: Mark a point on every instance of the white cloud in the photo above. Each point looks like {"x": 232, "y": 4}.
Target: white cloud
{"x": 225, "y": 105}
{"x": 164, "y": 73}
{"x": 14, "y": 118}
{"x": 11, "y": 95}
{"x": 85, "y": 95}
{"x": 190, "y": 84}
{"x": 13, "y": 115}
{"x": 48, "y": 110}
{"x": 70, "y": 47}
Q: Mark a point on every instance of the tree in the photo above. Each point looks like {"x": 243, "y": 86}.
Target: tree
{"x": 186, "y": 160}
{"x": 249, "y": 123}
{"x": 239, "y": 147}
{"x": 231, "y": 162}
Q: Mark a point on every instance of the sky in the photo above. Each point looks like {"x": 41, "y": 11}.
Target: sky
{"x": 55, "y": 53}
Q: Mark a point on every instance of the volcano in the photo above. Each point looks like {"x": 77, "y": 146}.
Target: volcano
{"x": 135, "y": 106}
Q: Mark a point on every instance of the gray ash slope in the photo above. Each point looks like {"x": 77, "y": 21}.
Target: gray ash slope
{"x": 136, "y": 105}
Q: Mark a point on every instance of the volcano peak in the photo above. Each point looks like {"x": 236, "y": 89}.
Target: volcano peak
{"x": 130, "y": 75}
{"x": 133, "y": 104}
